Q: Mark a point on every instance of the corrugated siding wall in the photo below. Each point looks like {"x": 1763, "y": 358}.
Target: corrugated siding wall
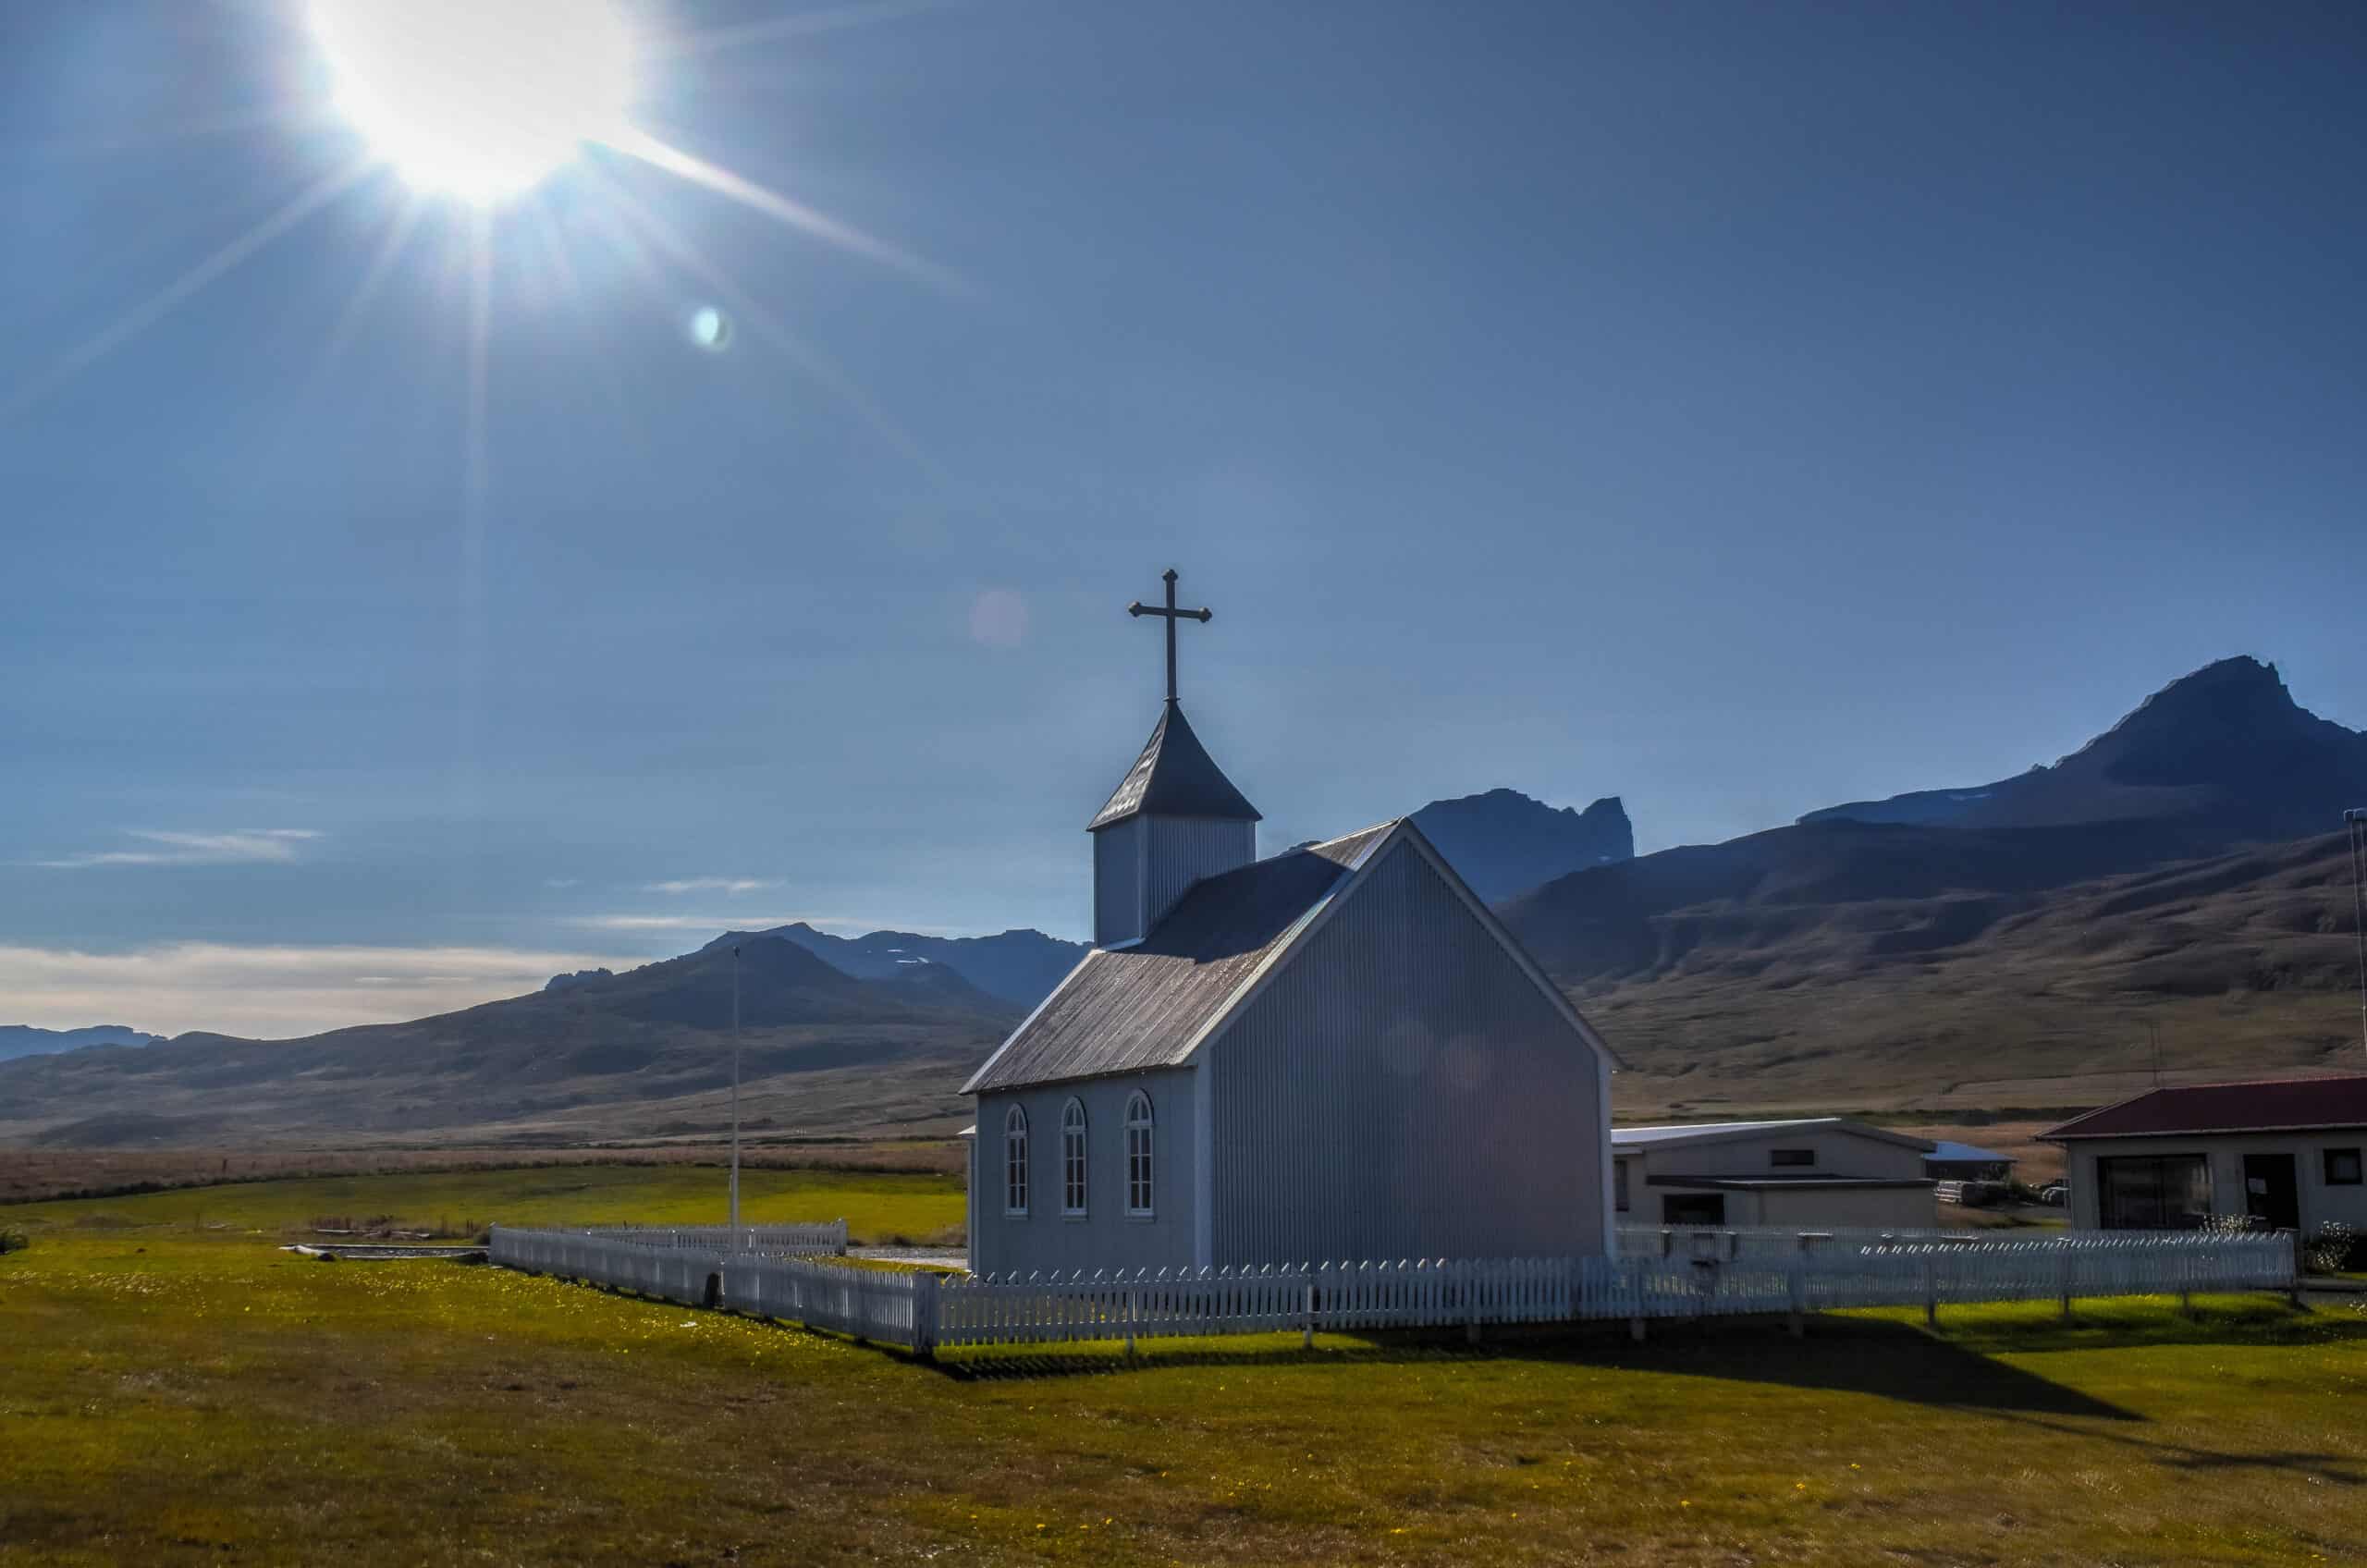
{"x": 1402, "y": 1090}
{"x": 1839, "y": 1152}
{"x": 1145, "y": 863}
{"x": 1179, "y": 850}
{"x": 1117, "y": 883}
{"x": 1107, "y": 1237}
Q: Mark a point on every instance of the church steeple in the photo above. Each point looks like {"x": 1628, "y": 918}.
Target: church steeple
{"x": 1174, "y": 819}
{"x": 1174, "y": 776}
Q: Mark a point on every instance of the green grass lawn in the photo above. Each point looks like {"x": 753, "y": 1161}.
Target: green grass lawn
{"x": 176, "y": 1396}
{"x": 876, "y": 1205}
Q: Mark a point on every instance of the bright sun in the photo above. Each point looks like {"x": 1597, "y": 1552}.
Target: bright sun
{"x": 478, "y": 99}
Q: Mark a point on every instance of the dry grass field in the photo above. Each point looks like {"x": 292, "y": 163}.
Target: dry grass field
{"x": 175, "y": 1389}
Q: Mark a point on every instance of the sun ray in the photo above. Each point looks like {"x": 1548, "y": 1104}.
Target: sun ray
{"x": 805, "y": 24}
{"x": 636, "y": 142}
{"x": 373, "y": 276}
{"x": 157, "y": 305}
{"x": 223, "y": 122}
{"x": 555, "y": 248}
{"x": 475, "y": 496}
{"x": 812, "y": 360}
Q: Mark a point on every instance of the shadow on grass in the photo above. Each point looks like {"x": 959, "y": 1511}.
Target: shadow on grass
{"x": 1844, "y": 1356}
{"x": 2338, "y": 1468}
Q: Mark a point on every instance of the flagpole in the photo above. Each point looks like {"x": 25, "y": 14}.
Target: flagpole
{"x": 735, "y": 1097}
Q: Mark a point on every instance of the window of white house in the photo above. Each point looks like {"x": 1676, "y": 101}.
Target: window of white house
{"x": 1619, "y": 1185}
{"x": 2343, "y": 1168}
{"x": 2168, "y": 1192}
{"x": 1791, "y": 1157}
{"x": 1014, "y": 1161}
{"x": 1138, "y": 1154}
{"x": 1073, "y": 1157}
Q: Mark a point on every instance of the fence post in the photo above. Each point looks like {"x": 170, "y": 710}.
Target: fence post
{"x": 1799, "y": 1288}
{"x": 1931, "y": 1290}
{"x": 2068, "y": 1259}
{"x": 1132, "y": 1298}
{"x": 1307, "y": 1341}
{"x": 924, "y": 1315}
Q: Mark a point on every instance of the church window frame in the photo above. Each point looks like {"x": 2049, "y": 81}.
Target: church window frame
{"x": 1141, "y": 1195}
{"x": 1014, "y": 1162}
{"x": 1075, "y": 1171}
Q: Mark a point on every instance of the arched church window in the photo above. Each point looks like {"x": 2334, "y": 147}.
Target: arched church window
{"x": 1014, "y": 1161}
{"x": 1073, "y": 1157}
{"x": 1138, "y": 1200}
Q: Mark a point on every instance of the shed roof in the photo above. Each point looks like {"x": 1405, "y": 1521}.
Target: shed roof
{"x": 1720, "y": 1132}
{"x": 1174, "y": 776}
{"x": 1948, "y": 1151}
{"x": 1123, "y": 1010}
{"x": 2260, "y": 1106}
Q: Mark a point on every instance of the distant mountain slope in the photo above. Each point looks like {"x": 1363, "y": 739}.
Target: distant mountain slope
{"x": 1018, "y": 967}
{"x": 23, "y": 1039}
{"x": 2011, "y": 931}
{"x": 1502, "y": 842}
{"x": 2217, "y": 760}
{"x": 646, "y": 1052}
{"x": 2240, "y": 964}
{"x": 2225, "y": 746}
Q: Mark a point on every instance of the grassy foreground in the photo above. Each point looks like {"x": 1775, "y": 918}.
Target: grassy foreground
{"x": 171, "y": 1396}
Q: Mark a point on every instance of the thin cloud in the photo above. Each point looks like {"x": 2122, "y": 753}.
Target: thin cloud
{"x": 713, "y": 884}
{"x": 248, "y": 846}
{"x": 270, "y": 992}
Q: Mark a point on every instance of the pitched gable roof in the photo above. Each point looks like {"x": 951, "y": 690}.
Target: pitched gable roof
{"x": 1174, "y": 776}
{"x": 1126, "y": 1008}
{"x": 1151, "y": 1004}
{"x": 2270, "y": 1104}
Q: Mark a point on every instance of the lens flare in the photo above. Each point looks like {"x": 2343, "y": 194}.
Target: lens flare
{"x": 710, "y": 329}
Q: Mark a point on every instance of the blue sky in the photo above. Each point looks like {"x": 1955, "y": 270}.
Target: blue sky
{"x": 1736, "y": 409}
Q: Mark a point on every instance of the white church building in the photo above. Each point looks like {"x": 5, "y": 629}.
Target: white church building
{"x": 1335, "y": 1053}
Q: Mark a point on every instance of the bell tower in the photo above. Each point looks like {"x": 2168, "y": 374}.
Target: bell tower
{"x": 1174, "y": 820}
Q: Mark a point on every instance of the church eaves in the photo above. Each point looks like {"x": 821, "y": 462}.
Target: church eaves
{"x": 1174, "y": 776}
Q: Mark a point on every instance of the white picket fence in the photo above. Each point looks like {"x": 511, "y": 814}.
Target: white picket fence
{"x": 867, "y": 1303}
{"x": 788, "y": 1241}
{"x": 925, "y": 1311}
{"x": 1768, "y": 1242}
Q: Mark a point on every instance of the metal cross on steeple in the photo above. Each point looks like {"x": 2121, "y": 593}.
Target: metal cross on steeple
{"x": 1173, "y": 614}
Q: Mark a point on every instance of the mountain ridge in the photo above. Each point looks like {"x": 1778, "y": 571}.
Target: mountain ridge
{"x": 25, "y": 1039}
{"x": 1501, "y": 841}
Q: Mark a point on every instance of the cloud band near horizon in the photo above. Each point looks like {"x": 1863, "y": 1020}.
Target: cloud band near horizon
{"x": 271, "y": 992}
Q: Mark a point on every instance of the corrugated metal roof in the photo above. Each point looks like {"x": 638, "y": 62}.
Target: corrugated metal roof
{"x": 1123, "y": 1010}
{"x": 1174, "y": 776}
{"x": 1710, "y": 1132}
{"x": 2262, "y": 1106}
{"x": 1949, "y": 1149}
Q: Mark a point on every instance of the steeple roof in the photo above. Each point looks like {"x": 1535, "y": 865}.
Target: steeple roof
{"x": 1174, "y": 776}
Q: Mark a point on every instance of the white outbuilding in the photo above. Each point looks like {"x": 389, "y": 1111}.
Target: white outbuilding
{"x": 1814, "y": 1173}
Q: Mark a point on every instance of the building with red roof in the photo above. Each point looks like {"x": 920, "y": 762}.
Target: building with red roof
{"x": 2286, "y": 1151}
